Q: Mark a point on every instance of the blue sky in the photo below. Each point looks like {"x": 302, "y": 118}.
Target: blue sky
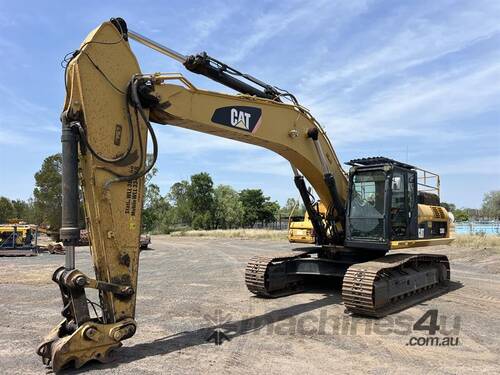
{"x": 416, "y": 81}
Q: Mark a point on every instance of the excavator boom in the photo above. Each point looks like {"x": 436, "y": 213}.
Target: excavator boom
{"x": 108, "y": 108}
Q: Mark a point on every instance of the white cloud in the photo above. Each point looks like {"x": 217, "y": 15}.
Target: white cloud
{"x": 13, "y": 138}
{"x": 26, "y": 123}
{"x": 373, "y": 93}
{"x": 189, "y": 143}
{"x": 416, "y": 105}
{"x": 404, "y": 41}
{"x": 19, "y": 103}
{"x": 203, "y": 27}
{"x": 293, "y": 17}
{"x": 259, "y": 163}
{"x": 486, "y": 165}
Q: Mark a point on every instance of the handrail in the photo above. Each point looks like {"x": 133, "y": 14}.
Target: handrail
{"x": 426, "y": 176}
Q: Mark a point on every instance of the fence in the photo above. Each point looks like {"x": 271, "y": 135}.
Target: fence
{"x": 280, "y": 224}
{"x": 477, "y": 227}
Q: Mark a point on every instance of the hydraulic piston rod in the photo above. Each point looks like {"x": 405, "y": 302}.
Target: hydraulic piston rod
{"x": 70, "y": 231}
{"x": 205, "y": 65}
{"x": 157, "y": 46}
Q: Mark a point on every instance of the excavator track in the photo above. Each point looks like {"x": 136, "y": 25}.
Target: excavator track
{"x": 393, "y": 283}
{"x": 265, "y": 276}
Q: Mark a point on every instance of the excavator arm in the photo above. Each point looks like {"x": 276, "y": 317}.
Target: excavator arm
{"x": 287, "y": 129}
{"x": 106, "y": 120}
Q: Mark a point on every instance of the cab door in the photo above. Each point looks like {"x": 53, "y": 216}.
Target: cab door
{"x": 398, "y": 212}
{"x": 403, "y": 210}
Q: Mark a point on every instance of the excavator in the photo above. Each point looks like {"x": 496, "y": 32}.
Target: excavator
{"x": 108, "y": 113}
{"x": 300, "y": 228}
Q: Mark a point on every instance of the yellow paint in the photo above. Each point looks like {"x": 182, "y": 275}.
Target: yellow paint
{"x": 396, "y": 245}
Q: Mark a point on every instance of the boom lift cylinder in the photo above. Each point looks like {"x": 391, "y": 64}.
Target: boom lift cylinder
{"x": 207, "y": 66}
{"x": 70, "y": 230}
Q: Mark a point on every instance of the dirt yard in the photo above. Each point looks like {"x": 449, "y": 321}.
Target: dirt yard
{"x": 191, "y": 289}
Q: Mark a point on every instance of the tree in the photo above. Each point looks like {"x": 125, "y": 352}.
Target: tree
{"x": 252, "y": 201}
{"x": 21, "y": 209}
{"x": 292, "y": 207}
{"x": 178, "y": 197}
{"x": 202, "y": 220}
{"x": 473, "y": 213}
{"x": 461, "y": 215}
{"x": 449, "y": 206}
{"x": 491, "y": 205}
{"x": 228, "y": 209}
{"x": 6, "y": 209}
{"x": 151, "y": 191}
{"x": 47, "y": 192}
{"x": 156, "y": 215}
{"x": 32, "y": 214}
{"x": 257, "y": 207}
{"x": 201, "y": 192}
{"x": 289, "y": 206}
{"x": 201, "y": 199}
{"x": 269, "y": 210}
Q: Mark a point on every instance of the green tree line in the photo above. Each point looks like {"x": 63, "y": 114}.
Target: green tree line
{"x": 45, "y": 206}
{"x": 490, "y": 209}
{"x": 199, "y": 204}
{"x": 194, "y": 203}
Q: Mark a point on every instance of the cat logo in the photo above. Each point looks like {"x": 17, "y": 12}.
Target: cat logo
{"x": 241, "y": 117}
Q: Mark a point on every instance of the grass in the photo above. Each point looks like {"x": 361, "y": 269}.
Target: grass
{"x": 476, "y": 241}
{"x": 267, "y": 234}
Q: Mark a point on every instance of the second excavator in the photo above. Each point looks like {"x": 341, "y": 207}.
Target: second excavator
{"x": 372, "y": 210}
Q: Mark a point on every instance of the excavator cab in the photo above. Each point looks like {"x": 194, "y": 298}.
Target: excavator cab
{"x": 382, "y": 204}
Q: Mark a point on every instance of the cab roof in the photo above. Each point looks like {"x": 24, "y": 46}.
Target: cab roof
{"x": 378, "y": 160}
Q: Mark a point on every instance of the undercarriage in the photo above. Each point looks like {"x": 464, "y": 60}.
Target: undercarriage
{"x": 373, "y": 284}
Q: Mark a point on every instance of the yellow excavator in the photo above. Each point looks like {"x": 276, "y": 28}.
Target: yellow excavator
{"x": 300, "y": 228}
{"x": 106, "y": 119}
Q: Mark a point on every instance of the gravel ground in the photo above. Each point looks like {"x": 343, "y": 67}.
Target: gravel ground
{"x": 190, "y": 288}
